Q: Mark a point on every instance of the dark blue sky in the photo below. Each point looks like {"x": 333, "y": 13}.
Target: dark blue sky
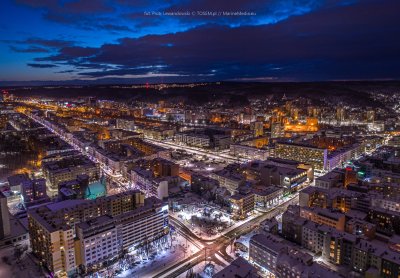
{"x": 281, "y": 40}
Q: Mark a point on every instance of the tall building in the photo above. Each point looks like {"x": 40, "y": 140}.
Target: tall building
{"x": 258, "y": 129}
{"x": 277, "y": 130}
{"x": 294, "y": 113}
{"x": 81, "y": 234}
{"x": 340, "y": 114}
{"x": 3, "y": 121}
{"x": 370, "y": 116}
{"x": 4, "y": 217}
{"x": 242, "y": 204}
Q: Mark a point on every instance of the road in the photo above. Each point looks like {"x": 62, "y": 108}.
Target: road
{"x": 114, "y": 178}
{"x": 219, "y": 245}
{"x": 211, "y": 247}
{"x": 212, "y": 154}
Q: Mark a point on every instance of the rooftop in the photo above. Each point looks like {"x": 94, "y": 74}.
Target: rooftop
{"x": 239, "y": 268}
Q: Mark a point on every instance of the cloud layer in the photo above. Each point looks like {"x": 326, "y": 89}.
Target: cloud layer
{"x": 283, "y": 40}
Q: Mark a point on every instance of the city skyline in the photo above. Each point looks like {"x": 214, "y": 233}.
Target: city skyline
{"x": 189, "y": 41}
{"x": 200, "y": 138}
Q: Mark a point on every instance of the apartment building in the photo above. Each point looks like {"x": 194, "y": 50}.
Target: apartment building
{"x": 107, "y": 237}
{"x": 66, "y": 169}
{"x": 56, "y": 234}
{"x": 264, "y": 251}
{"x": 317, "y": 157}
{"x": 242, "y": 203}
{"x": 326, "y": 217}
{"x": 193, "y": 139}
{"x": 228, "y": 179}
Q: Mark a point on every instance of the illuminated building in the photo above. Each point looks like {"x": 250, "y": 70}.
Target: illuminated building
{"x": 192, "y": 139}
{"x": 311, "y": 125}
{"x": 390, "y": 265}
{"x": 320, "y": 154}
{"x": 329, "y": 180}
{"x": 267, "y": 196}
{"x": 12, "y": 230}
{"x": 370, "y": 116}
{"x": 324, "y": 217}
{"x": 338, "y": 247}
{"x": 294, "y": 263}
{"x": 242, "y": 203}
{"x": 228, "y": 179}
{"x": 33, "y": 192}
{"x": 62, "y": 234}
{"x": 157, "y": 133}
{"x": 289, "y": 175}
{"x": 80, "y": 188}
{"x": 106, "y": 237}
{"x": 367, "y": 255}
{"x": 248, "y": 152}
{"x": 350, "y": 177}
{"x": 313, "y": 112}
{"x": 294, "y": 113}
{"x": 264, "y": 251}
{"x": 66, "y": 169}
{"x": 340, "y": 114}
{"x": 258, "y": 128}
{"x": 145, "y": 180}
{"x": 186, "y": 175}
{"x": 3, "y": 121}
{"x": 5, "y": 229}
{"x": 147, "y": 148}
{"x": 314, "y": 197}
{"x": 125, "y": 124}
{"x": 303, "y": 153}
{"x": 308, "y": 154}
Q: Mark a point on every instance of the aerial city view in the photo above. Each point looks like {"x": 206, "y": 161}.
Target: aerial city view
{"x": 200, "y": 139}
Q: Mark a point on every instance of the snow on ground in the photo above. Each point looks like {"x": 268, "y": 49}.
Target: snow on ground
{"x": 179, "y": 249}
{"x": 184, "y": 217}
{"x": 200, "y": 269}
{"x": 244, "y": 240}
{"x": 26, "y": 268}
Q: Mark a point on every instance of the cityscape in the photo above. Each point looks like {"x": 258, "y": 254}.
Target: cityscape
{"x": 200, "y": 139}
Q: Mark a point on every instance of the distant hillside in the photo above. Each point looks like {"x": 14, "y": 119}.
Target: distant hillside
{"x": 235, "y": 92}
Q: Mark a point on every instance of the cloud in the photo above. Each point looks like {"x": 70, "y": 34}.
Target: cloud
{"x": 31, "y": 49}
{"x": 293, "y": 39}
{"x": 75, "y": 7}
{"x": 42, "y": 66}
{"x": 87, "y": 7}
{"x": 48, "y": 43}
{"x": 65, "y": 71}
{"x": 75, "y": 55}
{"x": 113, "y": 27}
{"x": 84, "y": 14}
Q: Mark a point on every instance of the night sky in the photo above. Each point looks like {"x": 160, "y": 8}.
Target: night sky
{"x": 277, "y": 40}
